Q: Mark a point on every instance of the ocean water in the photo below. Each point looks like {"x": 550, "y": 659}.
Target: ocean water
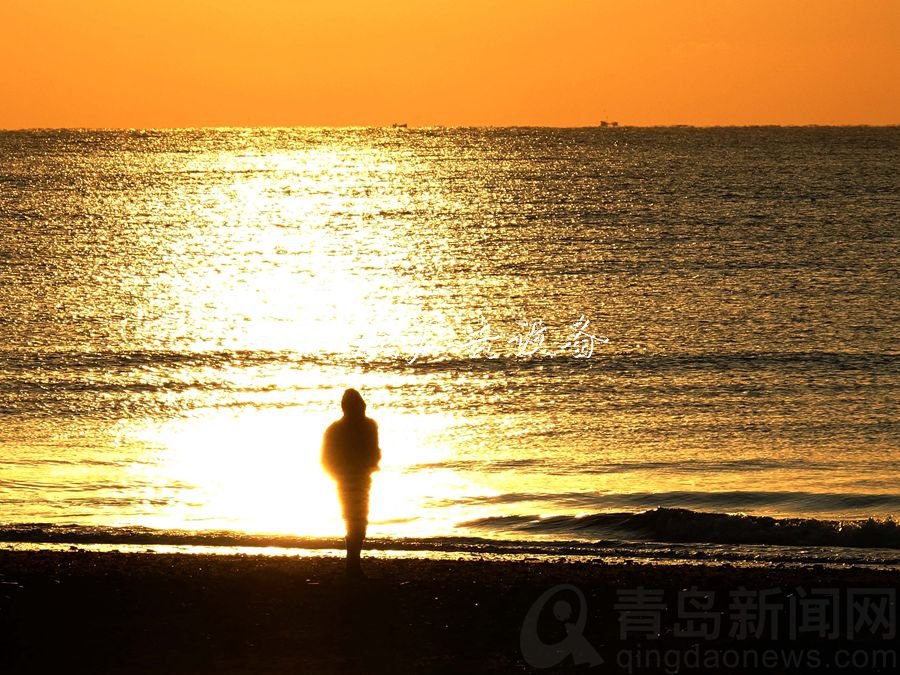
{"x": 609, "y": 336}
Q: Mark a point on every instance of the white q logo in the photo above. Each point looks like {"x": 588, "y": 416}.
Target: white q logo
{"x": 537, "y": 653}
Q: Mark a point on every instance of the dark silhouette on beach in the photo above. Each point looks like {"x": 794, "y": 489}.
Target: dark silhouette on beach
{"x": 350, "y": 454}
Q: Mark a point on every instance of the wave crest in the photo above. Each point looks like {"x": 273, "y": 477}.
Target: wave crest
{"x": 683, "y": 525}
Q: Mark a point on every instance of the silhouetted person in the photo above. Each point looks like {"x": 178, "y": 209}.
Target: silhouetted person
{"x": 350, "y": 454}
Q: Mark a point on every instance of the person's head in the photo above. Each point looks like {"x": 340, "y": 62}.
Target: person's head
{"x": 353, "y": 404}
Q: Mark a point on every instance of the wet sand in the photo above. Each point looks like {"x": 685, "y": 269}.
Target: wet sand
{"x": 66, "y": 612}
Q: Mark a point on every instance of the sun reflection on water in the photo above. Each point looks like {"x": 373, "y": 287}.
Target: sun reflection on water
{"x": 283, "y": 252}
{"x": 258, "y": 471}
{"x": 280, "y": 252}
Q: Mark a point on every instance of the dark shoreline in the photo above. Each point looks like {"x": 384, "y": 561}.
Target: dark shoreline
{"x": 659, "y": 526}
{"x": 66, "y": 612}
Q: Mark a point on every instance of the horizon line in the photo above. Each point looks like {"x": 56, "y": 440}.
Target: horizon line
{"x": 397, "y": 126}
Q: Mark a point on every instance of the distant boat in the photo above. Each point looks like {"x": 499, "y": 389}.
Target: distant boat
{"x": 604, "y": 124}
{"x": 399, "y": 126}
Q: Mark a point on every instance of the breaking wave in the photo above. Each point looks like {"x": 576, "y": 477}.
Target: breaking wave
{"x": 684, "y": 525}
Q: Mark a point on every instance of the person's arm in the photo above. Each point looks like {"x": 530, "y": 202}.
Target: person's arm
{"x": 327, "y": 458}
{"x": 376, "y": 448}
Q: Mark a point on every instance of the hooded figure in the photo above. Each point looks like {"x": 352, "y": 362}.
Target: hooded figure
{"x": 350, "y": 454}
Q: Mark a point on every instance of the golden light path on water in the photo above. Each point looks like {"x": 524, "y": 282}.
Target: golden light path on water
{"x": 258, "y": 470}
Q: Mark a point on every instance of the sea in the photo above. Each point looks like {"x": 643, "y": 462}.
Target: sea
{"x": 659, "y": 344}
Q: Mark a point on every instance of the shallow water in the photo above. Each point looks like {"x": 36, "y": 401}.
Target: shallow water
{"x": 181, "y": 310}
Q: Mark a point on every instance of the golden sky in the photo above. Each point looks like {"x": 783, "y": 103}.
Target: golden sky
{"x": 175, "y": 63}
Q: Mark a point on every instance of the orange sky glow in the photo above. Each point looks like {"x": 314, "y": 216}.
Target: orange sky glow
{"x": 180, "y": 63}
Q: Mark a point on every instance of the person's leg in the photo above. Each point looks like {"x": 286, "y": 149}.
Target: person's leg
{"x": 355, "y": 537}
{"x": 355, "y": 502}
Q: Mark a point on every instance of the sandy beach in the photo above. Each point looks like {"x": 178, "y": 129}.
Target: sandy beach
{"x": 170, "y": 613}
